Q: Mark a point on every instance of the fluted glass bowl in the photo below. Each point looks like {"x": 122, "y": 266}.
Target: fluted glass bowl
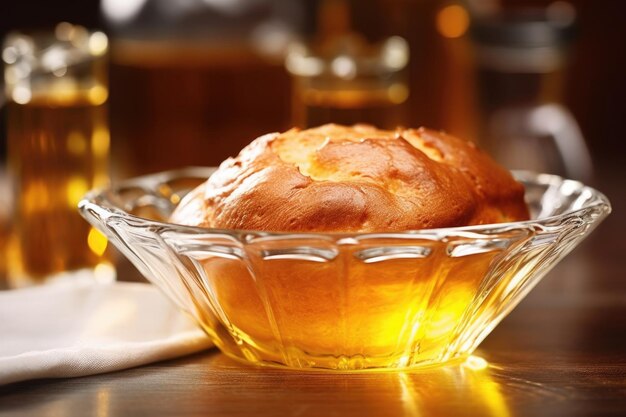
{"x": 343, "y": 301}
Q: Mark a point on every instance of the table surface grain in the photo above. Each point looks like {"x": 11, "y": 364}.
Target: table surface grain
{"x": 562, "y": 352}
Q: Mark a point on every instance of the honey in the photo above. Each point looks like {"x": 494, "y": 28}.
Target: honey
{"x": 344, "y": 313}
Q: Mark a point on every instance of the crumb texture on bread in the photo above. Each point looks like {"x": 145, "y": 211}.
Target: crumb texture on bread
{"x": 358, "y": 178}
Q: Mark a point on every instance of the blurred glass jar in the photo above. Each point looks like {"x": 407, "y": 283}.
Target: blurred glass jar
{"x": 347, "y": 80}
{"x": 521, "y": 57}
{"x": 193, "y": 81}
{"x": 58, "y": 149}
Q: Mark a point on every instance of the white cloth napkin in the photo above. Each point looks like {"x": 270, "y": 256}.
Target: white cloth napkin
{"x": 83, "y": 327}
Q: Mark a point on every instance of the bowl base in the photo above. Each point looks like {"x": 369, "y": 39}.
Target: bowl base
{"x": 321, "y": 368}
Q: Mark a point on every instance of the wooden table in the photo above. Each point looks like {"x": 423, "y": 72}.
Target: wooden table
{"x": 562, "y": 352}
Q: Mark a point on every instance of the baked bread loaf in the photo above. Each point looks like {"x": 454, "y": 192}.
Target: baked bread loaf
{"x": 358, "y": 178}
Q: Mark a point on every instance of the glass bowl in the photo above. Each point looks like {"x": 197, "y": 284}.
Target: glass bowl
{"x": 344, "y": 301}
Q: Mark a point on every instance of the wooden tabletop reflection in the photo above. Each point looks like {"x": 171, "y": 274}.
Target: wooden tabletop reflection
{"x": 562, "y": 352}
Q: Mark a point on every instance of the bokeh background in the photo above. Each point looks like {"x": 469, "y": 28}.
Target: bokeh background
{"x": 222, "y": 98}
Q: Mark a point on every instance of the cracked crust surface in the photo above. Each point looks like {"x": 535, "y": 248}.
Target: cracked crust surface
{"x": 358, "y": 178}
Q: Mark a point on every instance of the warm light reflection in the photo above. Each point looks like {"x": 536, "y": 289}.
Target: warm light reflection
{"x": 452, "y": 21}
{"x": 488, "y": 391}
{"x": 104, "y": 272}
{"x": 103, "y": 403}
{"x": 398, "y": 93}
{"x": 476, "y": 363}
{"x": 76, "y": 188}
{"x": 97, "y": 242}
{"x": 121, "y": 11}
{"x": 9, "y": 55}
{"x": 175, "y": 199}
{"x": 431, "y": 392}
{"x": 447, "y": 391}
{"x": 410, "y": 401}
{"x": 100, "y": 141}
{"x": 21, "y": 94}
{"x": 98, "y": 43}
{"x": 98, "y": 94}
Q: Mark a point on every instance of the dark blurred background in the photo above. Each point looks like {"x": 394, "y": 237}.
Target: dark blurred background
{"x": 222, "y": 96}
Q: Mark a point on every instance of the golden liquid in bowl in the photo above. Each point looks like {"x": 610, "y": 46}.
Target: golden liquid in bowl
{"x": 344, "y": 314}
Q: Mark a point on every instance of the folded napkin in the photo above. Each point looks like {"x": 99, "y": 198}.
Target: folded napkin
{"x": 82, "y": 327}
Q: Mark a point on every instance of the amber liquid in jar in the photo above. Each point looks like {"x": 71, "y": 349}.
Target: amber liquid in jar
{"x": 381, "y": 106}
{"x": 58, "y": 150}
{"x": 176, "y": 103}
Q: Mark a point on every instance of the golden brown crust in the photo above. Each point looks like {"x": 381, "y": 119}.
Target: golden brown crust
{"x": 355, "y": 179}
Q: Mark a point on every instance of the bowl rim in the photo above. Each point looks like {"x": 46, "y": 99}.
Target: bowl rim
{"x": 92, "y": 201}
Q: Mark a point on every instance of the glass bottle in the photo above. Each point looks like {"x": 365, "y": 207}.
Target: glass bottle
{"x": 521, "y": 56}
{"x": 58, "y": 149}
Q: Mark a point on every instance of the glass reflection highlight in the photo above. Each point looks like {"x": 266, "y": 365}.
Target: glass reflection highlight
{"x": 467, "y": 388}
